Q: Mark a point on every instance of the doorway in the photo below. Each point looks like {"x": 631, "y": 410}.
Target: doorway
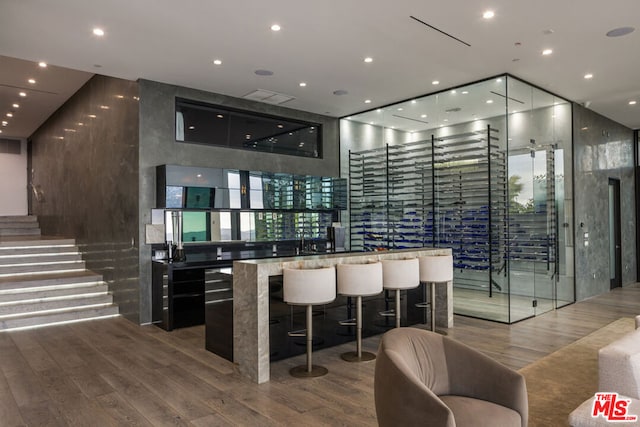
{"x": 615, "y": 235}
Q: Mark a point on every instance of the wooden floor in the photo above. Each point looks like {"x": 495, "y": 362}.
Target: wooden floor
{"x": 113, "y": 372}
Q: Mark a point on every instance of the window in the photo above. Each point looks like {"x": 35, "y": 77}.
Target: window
{"x": 219, "y": 126}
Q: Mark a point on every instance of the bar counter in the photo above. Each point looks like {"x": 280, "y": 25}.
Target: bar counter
{"x": 251, "y": 300}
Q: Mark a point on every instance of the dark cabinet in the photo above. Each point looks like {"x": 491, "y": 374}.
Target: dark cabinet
{"x": 178, "y": 296}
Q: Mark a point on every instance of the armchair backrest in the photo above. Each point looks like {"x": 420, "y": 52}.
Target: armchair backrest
{"x": 423, "y": 355}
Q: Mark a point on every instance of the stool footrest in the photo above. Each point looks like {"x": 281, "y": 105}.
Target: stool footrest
{"x": 348, "y": 322}
{"x": 389, "y": 313}
{"x": 423, "y": 304}
{"x": 298, "y": 333}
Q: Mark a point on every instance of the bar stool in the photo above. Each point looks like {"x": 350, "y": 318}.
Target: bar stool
{"x": 359, "y": 280}
{"x": 399, "y": 274}
{"x": 435, "y": 269}
{"x": 309, "y": 287}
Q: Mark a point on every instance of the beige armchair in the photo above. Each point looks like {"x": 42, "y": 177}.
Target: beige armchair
{"x": 423, "y": 378}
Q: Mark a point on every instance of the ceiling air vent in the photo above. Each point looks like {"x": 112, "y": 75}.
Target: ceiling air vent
{"x": 10, "y": 146}
{"x": 268, "y": 96}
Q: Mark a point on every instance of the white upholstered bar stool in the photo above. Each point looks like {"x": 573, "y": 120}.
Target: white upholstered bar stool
{"x": 435, "y": 269}
{"x": 309, "y": 287}
{"x": 399, "y": 274}
{"x": 359, "y": 280}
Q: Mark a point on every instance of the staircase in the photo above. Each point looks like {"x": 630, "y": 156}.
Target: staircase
{"x": 44, "y": 281}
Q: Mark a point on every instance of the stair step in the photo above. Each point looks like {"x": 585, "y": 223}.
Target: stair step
{"x": 18, "y": 224}
{"x": 19, "y": 218}
{"x": 36, "y": 259}
{"x": 41, "y": 268}
{"x": 52, "y": 292}
{"x": 14, "y": 308}
{"x": 33, "y": 250}
{"x": 19, "y": 232}
{"x": 17, "y": 242}
{"x": 73, "y": 315}
{"x": 13, "y": 284}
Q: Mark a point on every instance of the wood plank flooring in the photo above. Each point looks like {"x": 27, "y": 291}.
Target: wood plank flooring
{"x": 112, "y": 372}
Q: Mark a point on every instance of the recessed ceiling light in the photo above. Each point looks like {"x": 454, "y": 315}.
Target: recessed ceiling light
{"x": 217, "y": 62}
{"x": 424, "y": 116}
{"x": 192, "y": 127}
{"x": 435, "y": 82}
{"x": 93, "y": 116}
{"x": 23, "y": 94}
{"x": 16, "y": 105}
{"x": 489, "y": 101}
{"x": 400, "y": 109}
{"x": 9, "y": 114}
{"x": 488, "y": 14}
{"x": 42, "y": 64}
{"x": 120, "y": 96}
{"x": 303, "y": 84}
{"x": 104, "y": 107}
{"x": 367, "y": 101}
{"x": 368, "y": 59}
{"x": 280, "y": 126}
{"x": 547, "y": 52}
{"x": 453, "y": 92}
{"x": 619, "y": 32}
{"x": 32, "y": 81}
{"x": 632, "y": 102}
{"x": 98, "y": 32}
{"x": 413, "y": 101}
{"x": 465, "y": 92}
{"x": 0, "y": 131}
{"x": 498, "y": 80}
{"x": 588, "y": 76}
{"x": 379, "y": 110}
{"x": 371, "y": 123}
{"x": 199, "y": 175}
{"x": 220, "y": 116}
{"x": 275, "y": 27}
{"x": 4, "y": 123}
{"x": 445, "y": 120}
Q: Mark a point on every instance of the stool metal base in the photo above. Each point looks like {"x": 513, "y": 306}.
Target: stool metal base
{"x": 302, "y": 371}
{"x": 352, "y": 356}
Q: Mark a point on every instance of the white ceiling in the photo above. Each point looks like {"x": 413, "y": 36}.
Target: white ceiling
{"x": 323, "y": 43}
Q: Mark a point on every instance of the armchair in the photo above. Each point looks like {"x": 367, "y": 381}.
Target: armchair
{"x": 423, "y": 378}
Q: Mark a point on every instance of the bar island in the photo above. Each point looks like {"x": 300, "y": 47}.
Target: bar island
{"x": 251, "y": 295}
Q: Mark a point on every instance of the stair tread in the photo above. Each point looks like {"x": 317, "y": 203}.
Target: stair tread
{"x": 24, "y": 218}
{"x": 31, "y": 308}
{"x": 27, "y": 278}
{"x": 54, "y": 291}
{"x": 13, "y": 241}
{"x": 53, "y": 318}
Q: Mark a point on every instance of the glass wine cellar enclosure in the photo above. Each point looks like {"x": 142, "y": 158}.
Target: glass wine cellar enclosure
{"x": 484, "y": 169}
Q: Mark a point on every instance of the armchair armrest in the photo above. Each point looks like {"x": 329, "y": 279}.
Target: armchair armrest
{"x": 398, "y": 390}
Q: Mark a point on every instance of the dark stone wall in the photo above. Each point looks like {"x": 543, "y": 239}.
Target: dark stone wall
{"x": 85, "y": 162}
{"x": 158, "y": 146}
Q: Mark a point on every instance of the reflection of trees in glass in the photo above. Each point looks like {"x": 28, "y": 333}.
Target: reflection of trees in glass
{"x": 515, "y": 187}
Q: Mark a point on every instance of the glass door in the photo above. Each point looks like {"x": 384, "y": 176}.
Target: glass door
{"x": 532, "y": 231}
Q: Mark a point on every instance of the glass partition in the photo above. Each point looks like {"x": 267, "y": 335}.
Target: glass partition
{"x": 480, "y": 169}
